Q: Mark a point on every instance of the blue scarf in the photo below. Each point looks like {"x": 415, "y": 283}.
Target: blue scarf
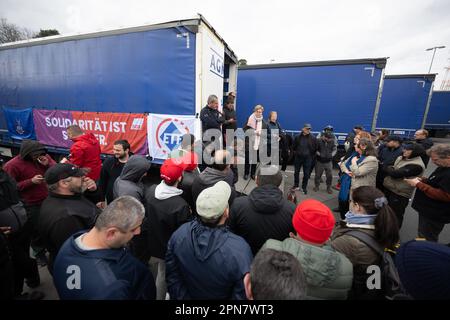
{"x": 346, "y": 180}
{"x": 353, "y": 218}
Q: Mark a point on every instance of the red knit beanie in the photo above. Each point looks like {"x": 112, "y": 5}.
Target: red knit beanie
{"x": 313, "y": 221}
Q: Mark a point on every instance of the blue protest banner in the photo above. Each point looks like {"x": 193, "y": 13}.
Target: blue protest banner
{"x": 20, "y": 123}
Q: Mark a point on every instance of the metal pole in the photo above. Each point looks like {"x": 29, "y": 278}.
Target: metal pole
{"x": 427, "y": 108}
{"x": 378, "y": 102}
{"x": 434, "y": 52}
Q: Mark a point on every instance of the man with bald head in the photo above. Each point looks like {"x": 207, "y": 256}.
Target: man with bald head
{"x": 218, "y": 171}
{"x": 421, "y": 137}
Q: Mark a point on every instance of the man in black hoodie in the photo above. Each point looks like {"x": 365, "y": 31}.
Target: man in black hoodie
{"x": 66, "y": 210}
{"x": 264, "y": 214}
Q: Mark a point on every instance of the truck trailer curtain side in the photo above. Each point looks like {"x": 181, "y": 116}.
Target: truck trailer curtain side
{"x": 439, "y": 113}
{"x": 405, "y": 102}
{"x": 340, "y": 93}
{"x": 163, "y": 69}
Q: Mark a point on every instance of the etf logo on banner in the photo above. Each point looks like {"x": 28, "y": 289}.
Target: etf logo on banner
{"x": 166, "y": 131}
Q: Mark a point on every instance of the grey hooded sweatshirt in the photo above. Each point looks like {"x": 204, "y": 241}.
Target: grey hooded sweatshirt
{"x": 129, "y": 183}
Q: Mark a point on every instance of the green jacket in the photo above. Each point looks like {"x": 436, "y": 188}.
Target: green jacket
{"x": 329, "y": 274}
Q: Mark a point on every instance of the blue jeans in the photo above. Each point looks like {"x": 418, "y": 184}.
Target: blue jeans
{"x": 306, "y": 163}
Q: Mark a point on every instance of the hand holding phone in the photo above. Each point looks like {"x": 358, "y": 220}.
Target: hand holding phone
{"x": 37, "y": 179}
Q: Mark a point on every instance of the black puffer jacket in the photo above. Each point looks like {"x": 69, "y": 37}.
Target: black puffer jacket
{"x": 263, "y": 215}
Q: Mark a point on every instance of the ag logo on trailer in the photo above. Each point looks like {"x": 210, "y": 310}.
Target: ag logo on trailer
{"x": 166, "y": 131}
{"x": 216, "y": 64}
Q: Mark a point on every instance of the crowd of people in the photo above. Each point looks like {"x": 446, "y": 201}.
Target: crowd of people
{"x": 105, "y": 234}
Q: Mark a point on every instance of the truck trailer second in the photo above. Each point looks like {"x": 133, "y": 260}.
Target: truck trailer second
{"x": 438, "y": 119}
{"x": 340, "y": 93}
{"x": 404, "y": 103}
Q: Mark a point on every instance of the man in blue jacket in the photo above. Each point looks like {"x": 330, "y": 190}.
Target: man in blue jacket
{"x": 204, "y": 260}
{"x": 96, "y": 265}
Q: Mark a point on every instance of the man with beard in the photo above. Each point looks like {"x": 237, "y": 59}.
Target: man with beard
{"x": 66, "y": 210}
{"x": 111, "y": 170}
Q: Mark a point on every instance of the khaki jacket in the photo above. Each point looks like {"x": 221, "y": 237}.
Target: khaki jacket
{"x": 364, "y": 173}
{"x": 329, "y": 274}
{"x": 399, "y": 186}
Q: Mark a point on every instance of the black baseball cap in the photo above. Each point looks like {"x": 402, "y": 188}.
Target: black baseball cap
{"x": 61, "y": 171}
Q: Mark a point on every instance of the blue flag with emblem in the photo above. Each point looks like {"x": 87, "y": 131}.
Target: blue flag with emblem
{"x": 20, "y": 122}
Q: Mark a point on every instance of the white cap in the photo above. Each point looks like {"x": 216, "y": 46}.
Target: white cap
{"x": 212, "y": 202}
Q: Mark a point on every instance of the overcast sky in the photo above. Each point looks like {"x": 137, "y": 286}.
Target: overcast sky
{"x": 263, "y": 30}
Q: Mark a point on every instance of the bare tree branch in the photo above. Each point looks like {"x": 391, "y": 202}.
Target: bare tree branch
{"x": 9, "y": 32}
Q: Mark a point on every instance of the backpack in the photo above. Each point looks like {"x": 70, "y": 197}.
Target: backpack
{"x": 391, "y": 286}
{"x": 15, "y": 217}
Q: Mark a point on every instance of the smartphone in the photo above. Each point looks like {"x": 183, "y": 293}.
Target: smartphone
{"x": 40, "y": 159}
